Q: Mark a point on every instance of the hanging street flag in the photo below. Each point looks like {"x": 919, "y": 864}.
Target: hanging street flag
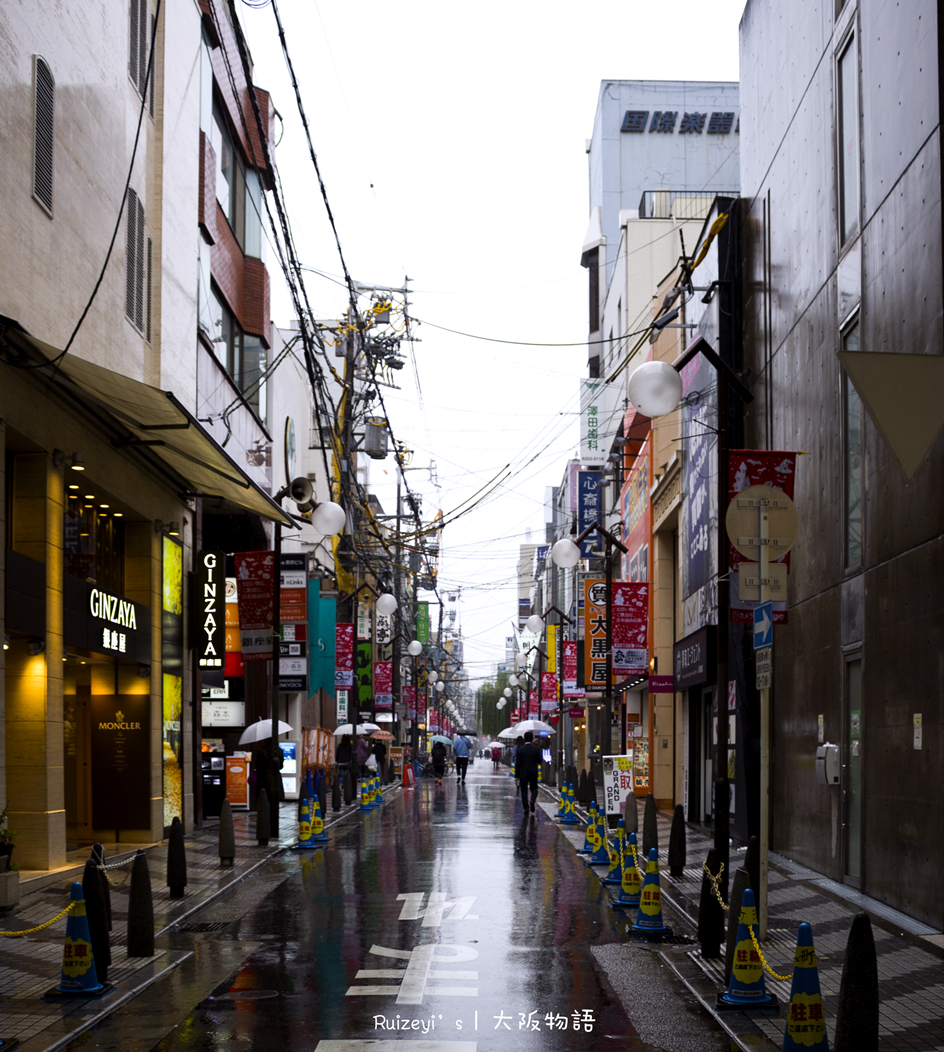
{"x": 533, "y": 711}
{"x": 364, "y": 672}
{"x": 589, "y": 510}
{"x": 548, "y": 692}
{"x": 254, "y": 597}
{"x": 421, "y": 706}
{"x": 344, "y": 656}
{"x": 409, "y": 698}
{"x": 630, "y": 628}
{"x": 422, "y": 622}
{"x": 383, "y": 684}
{"x": 434, "y": 720}
{"x": 571, "y": 690}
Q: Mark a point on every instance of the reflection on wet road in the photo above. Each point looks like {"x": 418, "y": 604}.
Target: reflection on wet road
{"x": 446, "y": 915}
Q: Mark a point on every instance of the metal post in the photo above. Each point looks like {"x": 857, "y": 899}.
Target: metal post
{"x": 722, "y": 823}
{"x": 274, "y": 695}
{"x": 608, "y": 704}
{"x": 764, "y": 734}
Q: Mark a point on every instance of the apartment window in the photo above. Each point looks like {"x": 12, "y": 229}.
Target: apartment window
{"x": 593, "y": 269}
{"x": 138, "y": 45}
{"x": 241, "y": 354}
{"x": 230, "y": 175}
{"x": 137, "y": 267}
{"x": 44, "y": 94}
{"x": 848, "y": 132}
{"x": 852, "y": 459}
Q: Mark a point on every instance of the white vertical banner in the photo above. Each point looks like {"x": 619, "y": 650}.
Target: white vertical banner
{"x": 599, "y": 418}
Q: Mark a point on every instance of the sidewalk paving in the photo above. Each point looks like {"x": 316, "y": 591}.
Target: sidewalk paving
{"x": 910, "y": 954}
{"x": 29, "y": 967}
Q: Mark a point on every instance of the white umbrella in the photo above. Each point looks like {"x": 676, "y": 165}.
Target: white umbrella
{"x": 536, "y": 726}
{"x": 256, "y": 732}
{"x": 506, "y": 733}
{"x": 491, "y": 745}
{"x": 362, "y": 728}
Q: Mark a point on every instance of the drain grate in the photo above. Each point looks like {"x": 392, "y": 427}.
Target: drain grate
{"x": 205, "y": 926}
{"x": 246, "y": 995}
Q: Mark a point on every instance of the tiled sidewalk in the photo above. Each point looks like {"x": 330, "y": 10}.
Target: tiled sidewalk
{"x": 30, "y": 966}
{"x": 909, "y": 954}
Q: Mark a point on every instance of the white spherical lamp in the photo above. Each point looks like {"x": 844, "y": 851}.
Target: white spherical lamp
{"x": 433, "y": 675}
{"x": 521, "y": 660}
{"x": 534, "y": 623}
{"x": 513, "y": 681}
{"x": 440, "y": 686}
{"x": 500, "y": 704}
{"x": 414, "y": 648}
{"x": 507, "y": 692}
{"x": 386, "y": 604}
{"x": 328, "y": 518}
{"x": 655, "y": 388}
{"x": 565, "y": 553}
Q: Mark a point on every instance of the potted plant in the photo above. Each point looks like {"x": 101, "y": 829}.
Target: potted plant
{"x": 6, "y": 838}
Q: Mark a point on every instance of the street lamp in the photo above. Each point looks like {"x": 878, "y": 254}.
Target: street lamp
{"x": 414, "y": 648}
{"x": 566, "y": 553}
{"x": 386, "y": 604}
{"x": 654, "y": 391}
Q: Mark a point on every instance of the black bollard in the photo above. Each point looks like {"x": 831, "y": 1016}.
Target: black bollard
{"x": 857, "y": 1010}
{"x": 227, "y": 836}
{"x": 677, "y": 843}
{"x": 97, "y": 919}
{"x": 322, "y": 791}
{"x": 141, "y": 909}
{"x": 98, "y": 857}
{"x": 630, "y": 814}
{"x": 582, "y": 787}
{"x": 263, "y": 830}
{"x": 742, "y": 881}
{"x": 176, "y": 860}
{"x": 591, "y": 789}
{"x": 752, "y": 865}
{"x": 650, "y": 827}
{"x": 710, "y": 912}
{"x": 336, "y": 792}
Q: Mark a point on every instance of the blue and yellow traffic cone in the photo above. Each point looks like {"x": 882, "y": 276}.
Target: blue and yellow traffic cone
{"x": 614, "y": 875}
{"x": 747, "y": 988}
{"x": 364, "y": 791}
{"x": 380, "y": 792}
{"x": 318, "y": 835}
{"x": 78, "y": 978}
{"x": 631, "y": 881}
{"x": 570, "y": 812}
{"x": 562, "y": 810}
{"x": 304, "y": 828}
{"x": 600, "y": 855}
{"x": 588, "y": 844}
{"x": 806, "y": 1024}
{"x": 649, "y": 918}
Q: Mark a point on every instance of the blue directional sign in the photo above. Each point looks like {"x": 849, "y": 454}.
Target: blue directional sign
{"x": 763, "y": 625}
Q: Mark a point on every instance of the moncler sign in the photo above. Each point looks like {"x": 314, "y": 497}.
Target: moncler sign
{"x": 118, "y": 724}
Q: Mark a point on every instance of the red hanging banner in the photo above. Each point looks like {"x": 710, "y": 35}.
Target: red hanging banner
{"x": 344, "y": 656}
{"x": 383, "y": 684}
{"x": 630, "y": 628}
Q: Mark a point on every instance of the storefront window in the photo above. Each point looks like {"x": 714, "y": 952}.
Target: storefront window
{"x": 93, "y": 541}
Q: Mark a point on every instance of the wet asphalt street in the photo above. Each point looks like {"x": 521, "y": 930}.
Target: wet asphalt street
{"x": 445, "y": 920}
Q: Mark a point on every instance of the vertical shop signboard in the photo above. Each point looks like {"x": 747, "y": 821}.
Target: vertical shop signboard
{"x": 172, "y": 745}
{"x": 533, "y": 711}
{"x": 344, "y": 655}
{"x": 617, "y": 782}
{"x": 571, "y": 690}
{"x": 422, "y": 622}
{"x": 293, "y": 622}
{"x": 235, "y": 667}
{"x": 594, "y": 632}
{"x": 548, "y": 692}
{"x": 209, "y": 619}
{"x": 630, "y": 628}
{"x": 409, "y": 698}
{"x": 121, "y": 761}
{"x": 364, "y": 672}
{"x": 589, "y": 510}
{"x": 383, "y": 685}
{"x": 254, "y": 572}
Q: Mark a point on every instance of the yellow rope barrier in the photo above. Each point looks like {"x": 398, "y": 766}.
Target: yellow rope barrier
{"x": 715, "y": 881}
{"x": 30, "y": 931}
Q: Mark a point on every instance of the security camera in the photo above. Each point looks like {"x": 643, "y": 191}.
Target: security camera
{"x": 300, "y": 490}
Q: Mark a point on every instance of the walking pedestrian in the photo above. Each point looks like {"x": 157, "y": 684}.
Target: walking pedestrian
{"x": 380, "y": 753}
{"x": 343, "y": 754}
{"x": 462, "y": 748}
{"x": 439, "y": 761}
{"x": 363, "y": 752}
{"x": 496, "y": 757}
{"x": 527, "y": 762}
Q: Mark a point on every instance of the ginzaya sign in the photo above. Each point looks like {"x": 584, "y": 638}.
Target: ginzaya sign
{"x": 111, "y": 608}
{"x": 210, "y": 622}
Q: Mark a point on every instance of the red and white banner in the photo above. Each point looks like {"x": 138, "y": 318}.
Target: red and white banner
{"x": 548, "y": 692}
{"x": 409, "y": 699}
{"x": 434, "y": 720}
{"x": 533, "y": 711}
{"x": 421, "y": 706}
{"x": 630, "y": 628}
{"x": 571, "y": 690}
{"x": 254, "y": 599}
{"x": 344, "y": 655}
{"x": 383, "y": 684}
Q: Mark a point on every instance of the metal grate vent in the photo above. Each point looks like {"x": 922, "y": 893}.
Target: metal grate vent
{"x": 44, "y": 91}
{"x": 205, "y": 926}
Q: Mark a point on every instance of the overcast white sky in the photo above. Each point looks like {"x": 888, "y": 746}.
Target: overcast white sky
{"x": 452, "y": 144}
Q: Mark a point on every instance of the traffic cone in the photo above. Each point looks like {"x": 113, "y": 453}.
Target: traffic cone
{"x": 304, "y": 829}
{"x": 588, "y": 845}
{"x": 631, "y": 880}
{"x": 806, "y": 1023}
{"x": 363, "y": 788}
{"x": 649, "y": 918}
{"x": 562, "y": 809}
{"x": 318, "y": 835}
{"x": 614, "y": 875}
{"x": 378, "y": 790}
{"x": 78, "y": 978}
{"x": 601, "y": 854}
{"x": 747, "y": 988}
{"x": 570, "y": 811}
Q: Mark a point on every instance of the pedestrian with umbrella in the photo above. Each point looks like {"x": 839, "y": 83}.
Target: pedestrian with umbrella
{"x": 363, "y": 754}
{"x": 439, "y": 760}
{"x": 380, "y": 755}
{"x": 527, "y": 762}
{"x": 462, "y": 749}
{"x": 343, "y": 754}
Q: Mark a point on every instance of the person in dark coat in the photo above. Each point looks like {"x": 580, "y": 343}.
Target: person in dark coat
{"x": 527, "y": 763}
{"x": 380, "y": 753}
{"x": 439, "y": 761}
{"x": 363, "y": 751}
{"x": 343, "y": 754}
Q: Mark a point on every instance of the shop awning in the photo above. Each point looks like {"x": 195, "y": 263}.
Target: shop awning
{"x": 156, "y": 420}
